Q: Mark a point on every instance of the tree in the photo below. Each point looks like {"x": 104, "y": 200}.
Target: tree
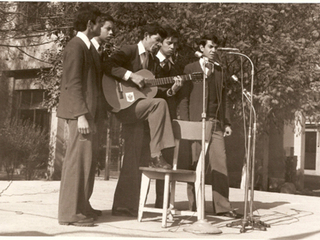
{"x": 282, "y": 40}
{"x": 23, "y": 145}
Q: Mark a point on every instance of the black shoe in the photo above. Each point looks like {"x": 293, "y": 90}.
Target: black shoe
{"x": 124, "y": 212}
{"x": 92, "y": 215}
{"x": 97, "y": 212}
{"x": 86, "y": 222}
{"x": 159, "y": 162}
{"x": 230, "y": 214}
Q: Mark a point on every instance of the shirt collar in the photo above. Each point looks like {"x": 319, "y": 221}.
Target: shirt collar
{"x": 204, "y": 68}
{"x": 201, "y": 61}
{"x": 95, "y": 43}
{"x": 161, "y": 57}
{"x": 141, "y": 48}
{"x": 84, "y": 38}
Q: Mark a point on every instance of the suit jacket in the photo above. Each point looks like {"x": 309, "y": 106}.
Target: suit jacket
{"x": 79, "y": 84}
{"x": 190, "y": 107}
{"x": 162, "y": 90}
{"x": 102, "y": 105}
{"x": 127, "y": 58}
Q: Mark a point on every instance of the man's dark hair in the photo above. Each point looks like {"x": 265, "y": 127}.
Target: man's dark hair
{"x": 107, "y": 17}
{"x": 171, "y": 32}
{"x": 85, "y": 14}
{"x": 153, "y": 29}
{"x": 209, "y": 37}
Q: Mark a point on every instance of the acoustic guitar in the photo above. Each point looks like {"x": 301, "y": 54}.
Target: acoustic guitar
{"x": 122, "y": 94}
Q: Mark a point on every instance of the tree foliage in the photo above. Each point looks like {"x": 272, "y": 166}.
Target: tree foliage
{"x": 23, "y": 144}
{"x": 282, "y": 40}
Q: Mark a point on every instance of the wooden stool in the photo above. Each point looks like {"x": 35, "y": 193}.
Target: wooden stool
{"x": 182, "y": 130}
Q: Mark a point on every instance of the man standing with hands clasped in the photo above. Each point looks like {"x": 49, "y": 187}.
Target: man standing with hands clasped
{"x": 78, "y": 106}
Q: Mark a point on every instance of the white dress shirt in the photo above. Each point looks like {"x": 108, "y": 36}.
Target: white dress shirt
{"x": 84, "y": 38}
{"x": 141, "y": 50}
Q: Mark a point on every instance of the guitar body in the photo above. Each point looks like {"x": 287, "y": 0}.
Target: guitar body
{"x": 122, "y": 94}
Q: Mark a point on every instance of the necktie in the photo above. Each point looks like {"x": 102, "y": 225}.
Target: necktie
{"x": 100, "y": 50}
{"x": 166, "y": 65}
{"x": 209, "y": 68}
{"x": 145, "y": 60}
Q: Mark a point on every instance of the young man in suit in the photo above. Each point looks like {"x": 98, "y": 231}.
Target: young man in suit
{"x": 151, "y": 113}
{"x": 168, "y": 68}
{"x": 217, "y": 111}
{"x": 78, "y": 106}
{"x": 99, "y": 54}
{"x": 106, "y": 35}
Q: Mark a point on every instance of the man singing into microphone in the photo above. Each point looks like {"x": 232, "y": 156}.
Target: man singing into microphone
{"x": 216, "y": 109}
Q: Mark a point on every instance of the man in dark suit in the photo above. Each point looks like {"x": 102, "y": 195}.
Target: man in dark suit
{"x": 107, "y": 33}
{"x": 168, "y": 68}
{"x": 78, "y": 106}
{"x": 154, "y": 112}
{"x": 217, "y": 111}
{"x": 99, "y": 54}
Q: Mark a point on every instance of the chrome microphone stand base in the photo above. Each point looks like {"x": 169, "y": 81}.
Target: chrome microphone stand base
{"x": 250, "y": 223}
{"x": 202, "y": 226}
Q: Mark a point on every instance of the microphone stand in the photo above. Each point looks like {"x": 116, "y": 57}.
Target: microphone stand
{"x": 249, "y": 220}
{"x": 202, "y": 226}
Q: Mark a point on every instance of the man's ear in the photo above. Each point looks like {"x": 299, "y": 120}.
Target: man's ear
{"x": 201, "y": 47}
{"x": 146, "y": 34}
{"x": 90, "y": 24}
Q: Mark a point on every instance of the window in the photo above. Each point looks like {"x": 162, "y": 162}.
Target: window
{"x": 29, "y": 107}
{"x": 311, "y": 150}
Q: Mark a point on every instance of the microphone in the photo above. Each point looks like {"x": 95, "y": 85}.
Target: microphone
{"x": 200, "y": 55}
{"x": 235, "y": 78}
{"x": 246, "y": 92}
{"x": 228, "y": 49}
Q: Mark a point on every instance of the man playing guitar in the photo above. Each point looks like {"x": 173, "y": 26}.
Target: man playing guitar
{"x": 123, "y": 65}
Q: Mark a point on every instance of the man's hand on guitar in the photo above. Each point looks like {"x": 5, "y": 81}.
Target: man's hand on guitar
{"x": 178, "y": 82}
{"x": 137, "y": 79}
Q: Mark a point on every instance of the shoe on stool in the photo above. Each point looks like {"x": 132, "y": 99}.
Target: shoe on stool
{"x": 86, "y": 222}
{"x": 159, "y": 162}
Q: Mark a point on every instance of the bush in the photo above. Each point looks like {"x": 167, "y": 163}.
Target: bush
{"x": 23, "y": 145}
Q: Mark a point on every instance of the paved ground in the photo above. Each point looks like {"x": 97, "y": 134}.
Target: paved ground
{"x": 29, "y": 208}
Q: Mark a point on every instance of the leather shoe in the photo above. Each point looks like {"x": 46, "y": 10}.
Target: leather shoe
{"x": 159, "y": 162}
{"x": 92, "y": 215}
{"x": 230, "y": 214}
{"x": 97, "y": 212}
{"x": 86, "y": 222}
{"x": 124, "y": 212}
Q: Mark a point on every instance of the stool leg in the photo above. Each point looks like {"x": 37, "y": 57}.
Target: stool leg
{"x": 172, "y": 194}
{"x": 165, "y": 199}
{"x": 145, "y": 182}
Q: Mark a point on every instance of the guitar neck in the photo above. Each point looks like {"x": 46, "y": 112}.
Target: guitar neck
{"x": 166, "y": 80}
